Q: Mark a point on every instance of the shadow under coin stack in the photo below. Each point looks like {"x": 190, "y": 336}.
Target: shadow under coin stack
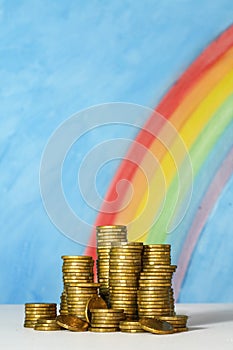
{"x": 78, "y": 280}
{"x": 35, "y": 311}
{"x": 106, "y": 320}
{"x": 155, "y": 293}
{"x": 125, "y": 267}
{"x": 105, "y": 236}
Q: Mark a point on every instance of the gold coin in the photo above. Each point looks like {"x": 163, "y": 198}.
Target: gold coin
{"x": 47, "y": 321}
{"x": 177, "y": 330}
{"x": 72, "y": 323}
{"x": 127, "y": 328}
{"x": 176, "y": 318}
{"x": 102, "y": 330}
{"x": 123, "y": 290}
{"x": 156, "y": 273}
{"x": 122, "y": 297}
{"x": 112, "y": 316}
{"x": 111, "y": 227}
{"x": 130, "y": 323}
{"x": 106, "y": 311}
{"x": 134, "y": 244}
{"x": 161, "y": 268}
{"x": 155, "y": 246}
{"x": 124, "y": 330}
{"x": 122, "y": 248}
{"x": 46, "y": 329}
{"x": 102, "y": 325}
{"x": 123, "y": 303}
{"x": 40, "y": 305}
{"x": 155, "y": 326}
{"x": 131, "y": 262}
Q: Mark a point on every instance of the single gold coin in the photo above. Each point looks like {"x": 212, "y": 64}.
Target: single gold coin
{"x": 181, "y": 329}
{"x": 124, "y": 330}
{"x": 156, "y": 326}
{"x": 105, "y": 324}
{"x": 103, "y": 330}
{"x": 46, "y": 329}
{"x": 111, "y": 227}
{"x": 72, "y": 323}
{"x": 108, "y": 318}
{"x": 106, "y": 311}
{"x": 182, "y": 318}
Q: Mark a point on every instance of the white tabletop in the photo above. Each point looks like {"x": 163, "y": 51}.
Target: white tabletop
{"x": 211, "y": 327}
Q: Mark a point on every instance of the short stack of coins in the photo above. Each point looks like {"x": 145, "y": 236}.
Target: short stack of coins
{"x": 35, "y": 311}
{"x": 47, "y": 324}
{"x": 106, "y": 320}
{"x": 130, "y": 327}
{"x": 125, "y": 267}
{"x": 155, "y": 293}
{"x": 78, "y": 295}
{"x": 105, "y": 236}
{"x": 179, "y": 322}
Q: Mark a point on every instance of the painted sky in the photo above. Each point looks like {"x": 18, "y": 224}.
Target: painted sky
{"x": 57, "y": 58}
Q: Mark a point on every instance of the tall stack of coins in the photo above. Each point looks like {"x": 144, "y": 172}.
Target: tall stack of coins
{"x": 106, "y": 320}
{"x": 78, "y": 295}
{"x": 77, "y": 271}
{"x": 125, "y": 267}
{"x": 34, "y": 311}
{"x": 155, "y": 293}
{"x": 106, "y": 235}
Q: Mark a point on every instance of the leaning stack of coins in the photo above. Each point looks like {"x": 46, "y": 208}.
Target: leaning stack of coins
{"x": 106, "y": 320}
{"x": 179, "y": 322}
{"x": 125, "y": 267}
{"x": 34, "y": 311}
{"x": 130, "y": 327}
{"x": 105, "y": 236}
{"x": 47, "y": 324}
{"x": 76, "y": 269}
{"x": 155, "y": 294}
{"x": 78, "y": 295}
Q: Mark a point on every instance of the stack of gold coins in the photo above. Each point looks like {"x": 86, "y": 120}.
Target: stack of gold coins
{"x": 47, "y": 324}
{"x": 106, "y": 320}
{"x": 131, "y": 327}
{"x": 125, "y": 267}
{"x": 63, "y": 304}
{"x": 76, "y": 269}
{"x": 34, "y": 311}
{"x": 105, "y": 236}
{"x": 179, "y": 322}
{"x": 78, "y": 295}
{"x": 155, "y": 294}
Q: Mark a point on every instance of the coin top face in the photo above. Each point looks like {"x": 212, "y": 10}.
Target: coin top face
{"x": 156, "y": 326}
{"x": 72, "y": 323}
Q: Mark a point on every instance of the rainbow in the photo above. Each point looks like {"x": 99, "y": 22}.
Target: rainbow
{"x": 199, "y": 107}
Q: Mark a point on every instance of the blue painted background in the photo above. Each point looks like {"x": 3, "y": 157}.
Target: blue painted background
{"x": 58, "y": 57}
